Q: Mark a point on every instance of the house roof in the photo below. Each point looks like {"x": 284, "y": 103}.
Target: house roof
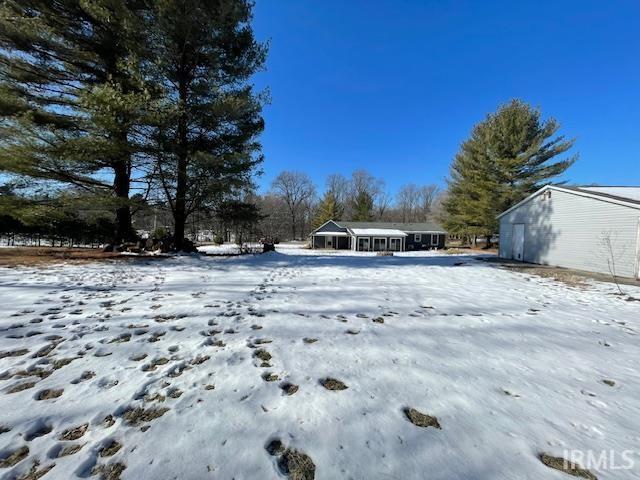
{"x": 627, "y": 196}
{"x": 404, "y": 227}
{"x": 385, "y": 232}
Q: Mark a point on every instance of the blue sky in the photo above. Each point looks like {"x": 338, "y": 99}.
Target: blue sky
{"x": 394, "y": 86}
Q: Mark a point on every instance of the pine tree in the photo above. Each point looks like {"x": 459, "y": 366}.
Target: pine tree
{"x": 327, "y": 209}
{"x": 507, "y": 157}
{"x": 362, "y": 207}
{"x": 71, "y": 96}
{"x": 206, "y": 129}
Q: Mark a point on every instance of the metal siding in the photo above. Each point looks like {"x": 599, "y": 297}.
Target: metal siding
{"x": 568, "y": 230}
{"x": 506, "y": 250}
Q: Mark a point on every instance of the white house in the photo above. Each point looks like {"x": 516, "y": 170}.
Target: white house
{"x": 595, "y": 229}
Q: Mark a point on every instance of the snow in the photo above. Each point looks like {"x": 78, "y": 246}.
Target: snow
{"x": 385, "y": 232}
{"x": 226, "y": 248}
{"x": 458, "y": 332}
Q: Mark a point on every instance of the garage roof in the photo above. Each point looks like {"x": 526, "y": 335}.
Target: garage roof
{"x": 627, "y": 196}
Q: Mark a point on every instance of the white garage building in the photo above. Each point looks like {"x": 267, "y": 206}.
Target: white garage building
{"x": 585, "y": 228}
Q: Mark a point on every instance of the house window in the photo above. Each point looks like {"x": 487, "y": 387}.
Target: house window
{"x": 434, "y": 239}
{"x": 379, "y": 244}
{"x": 417, "y": 237}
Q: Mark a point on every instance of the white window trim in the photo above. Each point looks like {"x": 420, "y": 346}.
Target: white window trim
{"x": 373, "y": 244}
{"x": 417, "y": 237}
{"x": 358, "y": 244}
{"x": 434, "y": 239}
{"x": 399, "y": 240}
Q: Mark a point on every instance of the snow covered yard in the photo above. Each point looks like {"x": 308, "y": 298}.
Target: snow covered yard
{"x": 190, "y": 367}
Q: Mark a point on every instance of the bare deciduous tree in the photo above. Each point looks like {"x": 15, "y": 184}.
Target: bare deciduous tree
{"x": 607, "y": 246}
{"x": 297, "y": 191}
{"x": 338, "y": 185}
{"x": 416, "y": 202}
{"x": 408, "y": 199}
{"x": 428, "y": 196}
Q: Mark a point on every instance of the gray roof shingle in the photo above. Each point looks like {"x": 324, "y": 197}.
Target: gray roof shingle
{"x": 405, "y": 227}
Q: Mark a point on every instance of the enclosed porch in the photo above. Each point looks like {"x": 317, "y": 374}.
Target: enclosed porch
{"x": 378, "y": 240}
{"x": 331, "y": 240}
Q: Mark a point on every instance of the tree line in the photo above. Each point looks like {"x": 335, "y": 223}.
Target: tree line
{"x": 109, "y": 104}
{"x": 114, "y": 110}
{"x": 509, "y": 155}
{"x": 295, "y": 207}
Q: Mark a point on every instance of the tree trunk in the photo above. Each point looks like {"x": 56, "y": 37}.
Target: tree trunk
{"x": 293, "y": 227}
{"x": 121, "y": 186}
{"x": 180, "y": 215}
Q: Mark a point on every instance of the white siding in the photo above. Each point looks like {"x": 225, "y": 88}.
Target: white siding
{"x": 569, "y": 230}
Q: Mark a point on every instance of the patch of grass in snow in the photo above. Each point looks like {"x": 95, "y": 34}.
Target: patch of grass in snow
{"x": 297, "y": 465}
{"x": 33, "y": 372}
{"x": 49, "y": 393}
{"x": 270, "y": 377}
{"x": 200, "y": 359}
{"x": 44, "y": 351}
{"x": 563, "y": 465}
{"x": 108, "y": 421}
{"x": 69, "y": 450}
{"x": 61, "y": 362}
{"x": 289, "y": 388}
{"x": 125, "y": 337}
{"x": 275, "y": 447}
{"x": 156, "y": 397}
{"x": 20, "y": 387}
{"x": 333, "y": 384}
{"x": 151, "y": 366}
{"x": 14, "y": 353}
{"x": 14, "y": 457}
{"x": 420, "y": 419}
{"x": 136, "y": 416}
{"x": 111, "y": 471}
{"x": 86, "y": 375}
{"x": 174, "y": 393}
{"x": 34, "y": 473}
{"x": 74, "y": 433}
{"x": 110, "y": 449}
{"x": 294, "y": 464}
{"x": 309, "y": 340}
{"x": 262, "y": 354}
